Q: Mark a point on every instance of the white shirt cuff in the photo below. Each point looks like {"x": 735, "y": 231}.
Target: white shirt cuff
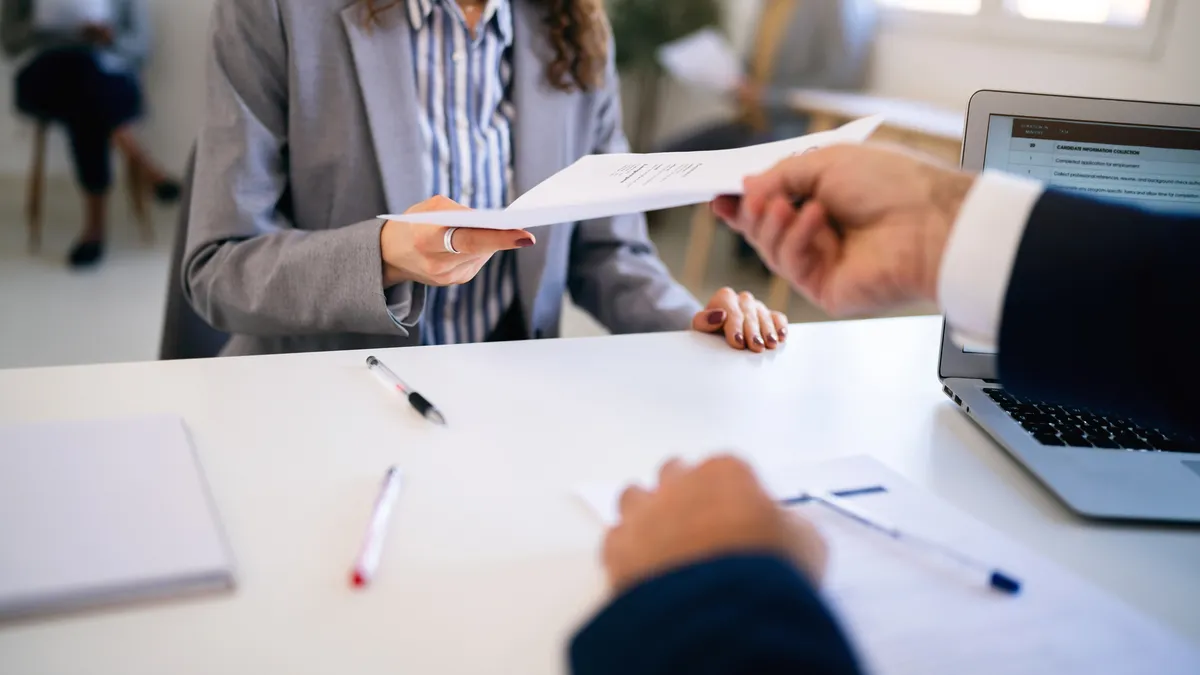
{"x": 979, "y": 257}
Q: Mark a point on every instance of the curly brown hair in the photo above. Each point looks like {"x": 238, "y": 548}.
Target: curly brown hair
{"x": 578, "y": 33}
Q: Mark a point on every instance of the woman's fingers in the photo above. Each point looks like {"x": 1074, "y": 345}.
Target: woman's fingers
{"x": 735, "y": 333}
{"x": 474, "y": 242}
{"x": 781, "y": 325}
{"x": 709, "y": 320}
{"x": 767, "y": 325}
{"x": 751, "y": 329}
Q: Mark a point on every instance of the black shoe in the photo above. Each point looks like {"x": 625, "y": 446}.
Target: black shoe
{"x": 86, "y": 254}
{"x": 167, "y": 191}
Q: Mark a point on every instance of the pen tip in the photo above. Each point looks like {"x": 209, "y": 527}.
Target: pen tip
{"x": 371, "y": 360}
{"x": 437, "y": 418}
{"x": 357, "y": 579}
{"x": 1002, "y": 582}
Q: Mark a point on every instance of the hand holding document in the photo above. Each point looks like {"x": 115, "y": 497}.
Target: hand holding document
{"x": 71, "y": 15}
{"x": 601, "y": 186}
{"x": 705, "y": 59}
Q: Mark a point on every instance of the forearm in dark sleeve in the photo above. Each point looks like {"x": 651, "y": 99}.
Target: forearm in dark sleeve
{"x": 739, "y": 614}
{"x": 1101, "y": 310}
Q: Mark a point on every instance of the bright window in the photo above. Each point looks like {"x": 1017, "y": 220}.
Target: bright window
{"x": 1114, "y": 12}
{"x": 1131, "y": 27}
{"x": 942, "y": 6}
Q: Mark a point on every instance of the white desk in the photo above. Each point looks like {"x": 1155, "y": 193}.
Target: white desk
{"x": 491, "y": 563}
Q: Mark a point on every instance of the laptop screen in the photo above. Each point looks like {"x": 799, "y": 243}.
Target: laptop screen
{"x": 1153, "y": 167}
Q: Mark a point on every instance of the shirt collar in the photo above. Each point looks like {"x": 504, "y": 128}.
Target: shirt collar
{"x": 497, "y": 13}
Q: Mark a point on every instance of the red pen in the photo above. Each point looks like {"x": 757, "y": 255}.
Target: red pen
{"x": 368, "y": 557}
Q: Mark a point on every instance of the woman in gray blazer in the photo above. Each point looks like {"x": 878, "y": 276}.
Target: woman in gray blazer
{"x": 86, "y": 77}
{"x": 323, "y": 113}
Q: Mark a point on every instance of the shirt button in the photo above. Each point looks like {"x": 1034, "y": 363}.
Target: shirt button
{"x": 457, "y": 56}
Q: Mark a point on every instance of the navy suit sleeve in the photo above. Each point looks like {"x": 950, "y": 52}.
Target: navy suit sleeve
{"x": 740, "y": 614}
{"x": 1103, "y": 311}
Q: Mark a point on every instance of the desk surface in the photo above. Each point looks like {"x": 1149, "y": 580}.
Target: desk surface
{"x": 912, "y": 116}
{"x": 491, "y": 563}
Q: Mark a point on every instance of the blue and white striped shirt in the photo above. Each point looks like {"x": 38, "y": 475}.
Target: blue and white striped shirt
{"x": 464, "y": 85}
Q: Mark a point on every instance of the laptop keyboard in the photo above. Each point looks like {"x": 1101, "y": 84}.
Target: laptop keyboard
{"x": 1075, "y": 427}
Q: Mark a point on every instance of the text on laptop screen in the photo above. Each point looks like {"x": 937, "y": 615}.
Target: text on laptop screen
{"x": 1153, "y": 167}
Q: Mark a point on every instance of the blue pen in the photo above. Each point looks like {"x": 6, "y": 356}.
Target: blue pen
{"x": 1001, "y": 581}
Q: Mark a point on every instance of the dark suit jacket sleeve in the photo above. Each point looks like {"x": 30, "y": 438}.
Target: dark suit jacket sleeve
{"x": 1103, "y": 311}
{"x": 741, "y": 614}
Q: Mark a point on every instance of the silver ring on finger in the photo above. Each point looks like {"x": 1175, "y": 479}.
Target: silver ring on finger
{"x": 448, "y": 240}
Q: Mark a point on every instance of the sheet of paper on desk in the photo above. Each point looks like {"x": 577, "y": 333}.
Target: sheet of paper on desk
{"x": 599, "y": 186}
{"x": 704, "y": 58}
{"x": 912, "y": 614}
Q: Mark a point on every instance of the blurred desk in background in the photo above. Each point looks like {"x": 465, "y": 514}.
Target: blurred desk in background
{"x": 923, "y": 127}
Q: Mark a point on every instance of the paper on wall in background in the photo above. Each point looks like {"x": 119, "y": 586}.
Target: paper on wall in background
{"x": 71, "y": 15}
{"x": 601, "y": 186}
{"x": 705, "y": 59}
{"x": 909, "y": 613}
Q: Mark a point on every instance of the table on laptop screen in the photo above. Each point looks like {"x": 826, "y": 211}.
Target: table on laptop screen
{"x": 1153, "y": 167}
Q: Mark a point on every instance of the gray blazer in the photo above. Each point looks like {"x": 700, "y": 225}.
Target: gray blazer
{"x": 827, "y": 46}
{"x": 131, "y": 29}
{"x": 311, "y": 130}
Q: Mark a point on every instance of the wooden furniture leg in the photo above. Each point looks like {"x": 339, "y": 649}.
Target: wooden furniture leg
{"x": 695, "y": 264}
{"x": 138, "y": 191}
{"x": 33, "y": 203}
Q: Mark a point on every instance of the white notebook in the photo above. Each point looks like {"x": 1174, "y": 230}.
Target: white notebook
{"x": 101, "y": 512}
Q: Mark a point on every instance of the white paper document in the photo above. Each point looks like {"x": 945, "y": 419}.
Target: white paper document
{"x": 600, "y": 186}
{"x": 705, "y": 59}
{"x": 910, "y": 613}
{"x": 71, "y": 15}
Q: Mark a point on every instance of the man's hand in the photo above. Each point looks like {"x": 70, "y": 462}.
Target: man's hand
{"x": 98, "y": 34}
{"x": 870, "y": 233}
{"x": 718, "y": 508}
{"x": 414, "y": 252}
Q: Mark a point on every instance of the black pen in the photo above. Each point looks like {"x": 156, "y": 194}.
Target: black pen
{"x": 419, "y": 402}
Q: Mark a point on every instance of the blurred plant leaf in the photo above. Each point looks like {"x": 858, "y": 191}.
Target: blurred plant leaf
{"x": 640, "y": 27}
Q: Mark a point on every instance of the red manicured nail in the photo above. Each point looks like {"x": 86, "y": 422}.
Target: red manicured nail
{"x": 524, "y": 243}
{"x": 739, "y": 339}
{"x": 716, "y": 317}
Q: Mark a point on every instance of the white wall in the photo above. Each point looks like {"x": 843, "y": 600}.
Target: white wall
{"x": 173, "y": 85}
{"x": 934, "y": 67}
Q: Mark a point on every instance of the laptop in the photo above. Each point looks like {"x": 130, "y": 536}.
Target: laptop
{"x": 1098, "y": 466}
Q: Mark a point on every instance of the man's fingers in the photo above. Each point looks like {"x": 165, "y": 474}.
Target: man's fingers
{"x": 794, "y": 177}
{"x": 472, "y": 241}
{"x": 776, "y": 220}
{"x": 726, "y": 208}
{"x": 631, "y": 499}
{"x": 800, "y": 259}
{"x": 672, "y": 471}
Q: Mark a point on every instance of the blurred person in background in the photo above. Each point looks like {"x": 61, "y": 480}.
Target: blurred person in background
{"x": 85, "y": 76}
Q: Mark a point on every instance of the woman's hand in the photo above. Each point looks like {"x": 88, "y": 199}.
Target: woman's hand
{"x": 746, "y": 322}
{"x": 414, "y": 252}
